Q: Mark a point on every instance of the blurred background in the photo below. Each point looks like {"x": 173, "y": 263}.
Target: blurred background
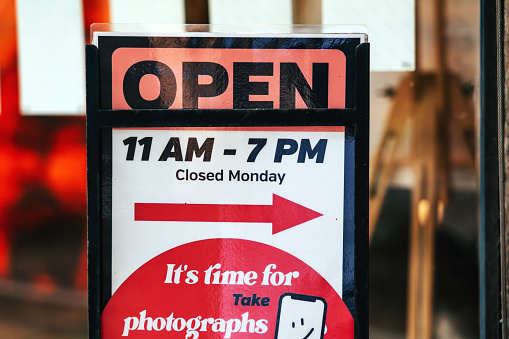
{"x": 425, "y": 107}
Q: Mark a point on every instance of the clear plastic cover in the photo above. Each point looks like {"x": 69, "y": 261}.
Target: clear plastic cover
{"x": 357, "y": 31}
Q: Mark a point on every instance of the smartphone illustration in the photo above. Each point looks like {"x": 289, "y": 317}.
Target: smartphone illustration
{"x": 300, "y": 316}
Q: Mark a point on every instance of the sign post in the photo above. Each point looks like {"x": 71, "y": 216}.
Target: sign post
{"x": 222, "y": 204}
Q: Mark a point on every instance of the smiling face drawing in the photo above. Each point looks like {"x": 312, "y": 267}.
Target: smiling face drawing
{"x": 301, "y": 317}
{"x": 302, "y": 323}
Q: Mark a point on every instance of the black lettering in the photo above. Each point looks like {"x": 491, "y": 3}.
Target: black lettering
{"x": 131, "y": 85}
{"x": 219, "y": 176}
{"x": 318, "y": 151}
{"x": 285, "y": 147}
{"x": 131, "y": 147}
{"x": 255, "y": 301}
{"x": 234, "y": 176}
{"x": 292, "y": 80}
{"x": 192, "y": 90}
{"x": 260, "y": 143}
{"x": 147, "y": 144}
{"x": 177, "y": 174}
{"x": 243, "y": 88}
{"x": 237, "y": 297}
{"x": 168, "y": 152}
{"x": 193, "y": 148}
{"x": 245, "y": 301}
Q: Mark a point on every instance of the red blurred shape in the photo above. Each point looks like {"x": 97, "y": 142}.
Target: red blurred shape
{"x": 66, "y": 175}
{"x": 45, "y": 284}
{"x": 81, "y": 280}
{"x": 4, "y": 253}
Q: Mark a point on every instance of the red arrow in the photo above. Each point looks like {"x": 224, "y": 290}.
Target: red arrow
{"x": 283, "y": 213}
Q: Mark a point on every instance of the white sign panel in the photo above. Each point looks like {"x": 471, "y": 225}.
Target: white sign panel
{"x": 250, "y": 217}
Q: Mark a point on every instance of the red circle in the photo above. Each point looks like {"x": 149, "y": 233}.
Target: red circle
{"x": 151, "y": 292}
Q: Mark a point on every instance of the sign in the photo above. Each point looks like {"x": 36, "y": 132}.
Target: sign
{"x": 230, "y": 178}
{"x": 218, "y": 232}
{"x": 226, "y": 78}
{"x": 214, "y": 72}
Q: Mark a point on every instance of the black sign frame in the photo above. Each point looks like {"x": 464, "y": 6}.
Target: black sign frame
{"x": 101, "y": 121}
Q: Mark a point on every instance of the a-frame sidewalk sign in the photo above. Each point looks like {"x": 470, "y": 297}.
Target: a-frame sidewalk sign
{"x": 228, "y": 186}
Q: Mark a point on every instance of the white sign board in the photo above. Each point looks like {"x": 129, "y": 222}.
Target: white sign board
{"x": 276, "y": 192}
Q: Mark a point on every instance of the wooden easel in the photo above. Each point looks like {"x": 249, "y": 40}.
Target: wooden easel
{"x": 426, "y": 105}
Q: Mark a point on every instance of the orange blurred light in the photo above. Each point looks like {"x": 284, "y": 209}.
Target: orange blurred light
{"x": 45, "y": 284}
{"x": 7, "y": 32}
{"x": 66, "y": 175}
{"x": 95, "y": 11}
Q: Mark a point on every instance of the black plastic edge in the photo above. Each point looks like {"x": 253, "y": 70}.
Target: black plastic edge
{"x": 93, "y": 191}
{"x": 362, "y": 193}
{"x": 489, "y": 231}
